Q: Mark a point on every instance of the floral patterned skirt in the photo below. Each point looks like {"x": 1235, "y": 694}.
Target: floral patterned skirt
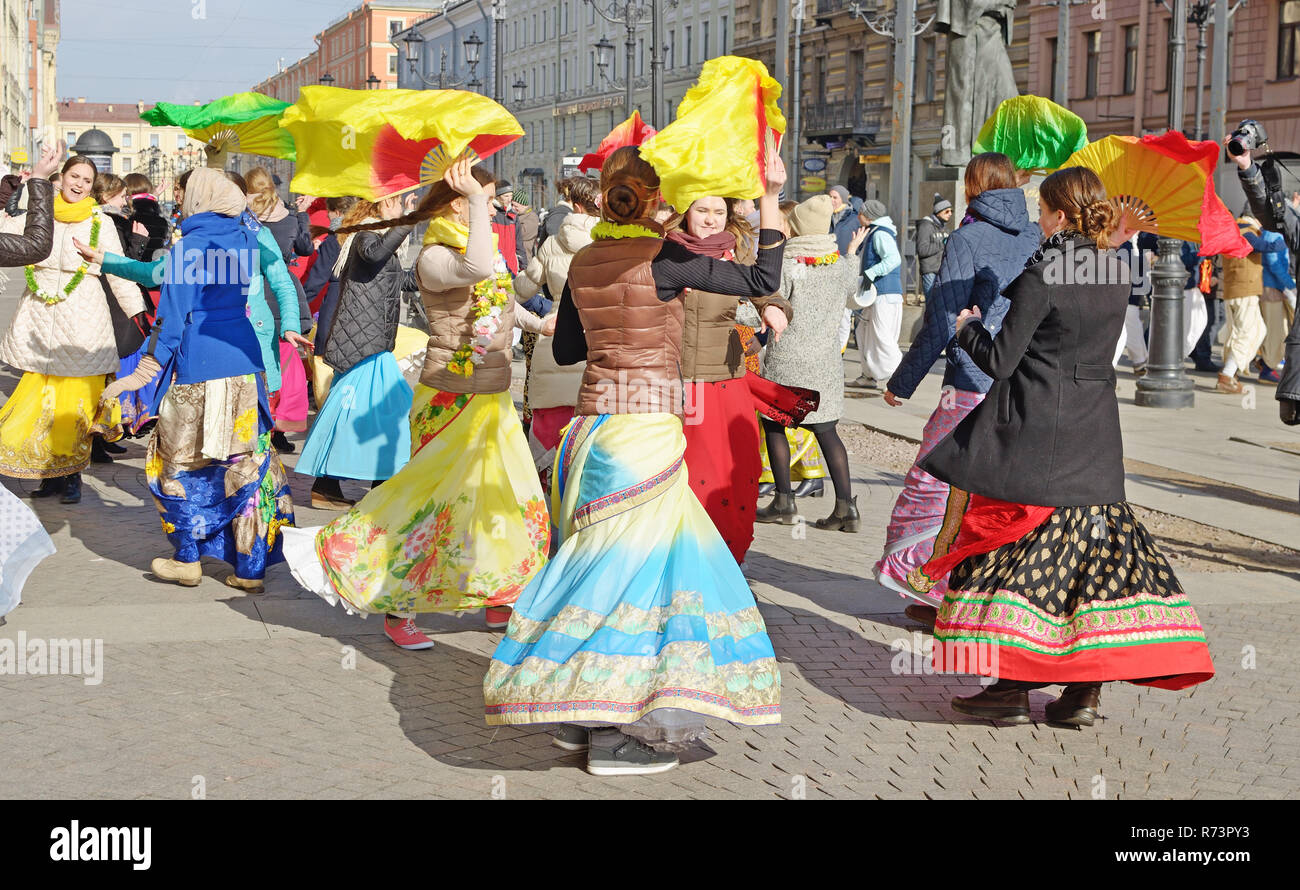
{"x": 642, "y": 619}
{"x": 218, "y": 484}
{"x": 46, "y": 425}
{"x": 462, "y": 526}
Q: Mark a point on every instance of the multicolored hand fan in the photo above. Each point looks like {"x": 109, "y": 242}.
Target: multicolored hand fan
{"x": 244, "y": 122}
{"x": 377, "y": 143}
{"x": 1164, "y": 184}
{"x": 1036, "y": 133}
{"x": 726, "y": 125}
{"x": 632, "y": 131}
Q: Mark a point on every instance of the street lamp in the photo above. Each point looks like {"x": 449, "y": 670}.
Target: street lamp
{"x": 519, "y": 87}
{"x": 903, "y": 31}
{"x": 372, "y": 82}
{"x": 473, "y": 45}
{"x": 1201, "y": 14}
{"x": 604, "y": 49}
{"x": 327, "y": 79}
{"x": 629, "y": 14}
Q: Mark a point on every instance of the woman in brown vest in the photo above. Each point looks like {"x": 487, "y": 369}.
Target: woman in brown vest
{"x": 642, "y": 624}
{"x": 722, "y": 455}
{"x": 464, "y": 524}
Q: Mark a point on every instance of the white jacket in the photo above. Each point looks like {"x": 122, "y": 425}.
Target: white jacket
{"x": 74, "y": 337}
{"x": 551, "y": 385}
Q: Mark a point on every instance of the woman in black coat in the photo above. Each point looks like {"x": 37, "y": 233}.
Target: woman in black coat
{"x": 1053, "y": 579}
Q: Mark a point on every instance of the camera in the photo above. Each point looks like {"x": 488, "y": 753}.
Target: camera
{"x": 1249, "y": 136}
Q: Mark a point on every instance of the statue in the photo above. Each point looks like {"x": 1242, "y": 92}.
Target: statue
{"x": 977, "y": 70}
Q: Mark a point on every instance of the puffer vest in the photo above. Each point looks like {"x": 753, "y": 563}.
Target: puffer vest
{"x": 634, "y": 339}
{"x": 451, "y": 320}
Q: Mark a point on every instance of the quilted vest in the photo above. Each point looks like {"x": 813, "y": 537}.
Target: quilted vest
{"x": 634, "y": 339}
{"x": 1243, "y": 276}
{"x": 451, "y": 317}
{"x": 890, "y": 282}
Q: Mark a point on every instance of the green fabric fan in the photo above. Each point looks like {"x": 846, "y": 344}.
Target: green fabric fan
{"x": 1036, "y": 133}
{"x": 244, "y": 122}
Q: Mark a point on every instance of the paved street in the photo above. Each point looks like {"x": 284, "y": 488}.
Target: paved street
{"x": 205, "y": 691}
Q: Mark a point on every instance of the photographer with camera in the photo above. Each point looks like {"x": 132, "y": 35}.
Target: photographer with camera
{"x": 1263, "y": 186}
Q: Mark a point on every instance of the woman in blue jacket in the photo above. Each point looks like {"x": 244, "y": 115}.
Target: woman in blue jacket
{"x": 981, "y": 258}
{"x": 218, "y": 484}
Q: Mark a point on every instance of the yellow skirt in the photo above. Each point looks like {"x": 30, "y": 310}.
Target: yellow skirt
{"x": 46, "y": 426}
{"x": 462, "y": 526}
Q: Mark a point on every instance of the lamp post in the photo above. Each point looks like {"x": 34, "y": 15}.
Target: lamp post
{"x": 1165, "y": 384}
{"x": 903, "y": 32}
{"x": 473, "y": 45}
{"x": 327, "y": 79}
{"x": 629, "y": 14}
{"x": 372, "y": 82}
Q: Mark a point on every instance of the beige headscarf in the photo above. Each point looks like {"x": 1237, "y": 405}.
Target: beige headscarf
{"x": 209, "y": 191}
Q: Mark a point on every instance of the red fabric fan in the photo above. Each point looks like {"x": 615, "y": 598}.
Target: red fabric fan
{"x": 399, "y": 164}
{"x": 632, "y": 131}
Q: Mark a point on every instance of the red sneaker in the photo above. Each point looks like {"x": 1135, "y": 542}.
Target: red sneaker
{"x": 497, "y": 617}
{"x": 406, "y": 635}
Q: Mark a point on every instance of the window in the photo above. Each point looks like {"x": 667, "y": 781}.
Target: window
{"x": 929, "y": 67}
{"x": 704, "y": 40}
{"x": 1092, "y": 53}
{"x": 857, "y": 63}
{"x": 724, "y": 34}
{"x": 591, "y": 68}
{"x": 126, "y": 140}
{"x": 591, "y": 14}
{"x": 1051, "y": 68}
{"x": 392, "y": 63}
{"x": 1288, "y": 35}
{"x": 564, "y": 17}
{"x": 72, "y": 137}
{"x": 668, "y": 48}
{"x": 564, "y": 75}
{"x": 590, "y": 141}
{"x": 546, "y": 28}
{"x": 687, "y": 58}
{"x": 180, "y": 141}
{"x": 153, "y": 140}
{"x": 534, "y": 27}
{"x": 1130, "y": 59}
{"x": 1169, "y": 59}
{"x": 640, "y": 56}
{"x": 394, "y": 25}
{"x": 126, "y": 165}
{"x": 819, "y": 78}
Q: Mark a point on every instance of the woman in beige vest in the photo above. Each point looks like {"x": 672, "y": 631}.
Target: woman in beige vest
{"x": 464, "y": 524}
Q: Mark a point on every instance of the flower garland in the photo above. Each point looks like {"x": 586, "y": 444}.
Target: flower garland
{"x": 825, "y": 259}
{"x": 608, "y": 231}
{"x": 29, "y": 272}
{"x": 491, "y": 295}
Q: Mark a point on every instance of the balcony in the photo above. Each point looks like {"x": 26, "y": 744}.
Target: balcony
{"x": 836, "y": 121}
{"x": 826, "y": 7}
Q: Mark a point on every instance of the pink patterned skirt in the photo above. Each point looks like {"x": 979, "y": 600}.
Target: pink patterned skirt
{"x": 920, "y": 509}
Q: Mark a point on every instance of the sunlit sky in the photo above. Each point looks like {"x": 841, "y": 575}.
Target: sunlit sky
{"x": 151, "y": 50}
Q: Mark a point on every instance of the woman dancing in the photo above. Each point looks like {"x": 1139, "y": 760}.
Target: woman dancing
{"x": 61, "y": 337}
{"x": 463, "y": 525}
{"x": 1053, "y": 578}
{"x": 980, "y": 260}
{"x": 218, "y": 484}
{"x": 642, "y": 625}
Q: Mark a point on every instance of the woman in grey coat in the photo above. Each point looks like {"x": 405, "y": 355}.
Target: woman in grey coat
{"x": 817, "y": 282}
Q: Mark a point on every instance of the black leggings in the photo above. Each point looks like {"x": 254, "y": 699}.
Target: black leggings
{"x": 828, "y": 440}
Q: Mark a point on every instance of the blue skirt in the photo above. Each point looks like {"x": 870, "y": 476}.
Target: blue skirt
{"x": 364, "y": 429}
{"x": 136, "y": 405}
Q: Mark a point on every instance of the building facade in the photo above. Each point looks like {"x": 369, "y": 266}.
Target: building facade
{"x": 161, "y": 153}
{"x": 550, "y": 77}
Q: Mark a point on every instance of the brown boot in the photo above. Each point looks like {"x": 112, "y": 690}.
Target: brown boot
{"x": 1077, "y": 705}
{"x": 923, "y": 614}
{"x": 1229, "y": 385}
{"x": 248, "y": 585}
{"x": 1006, "y": 701}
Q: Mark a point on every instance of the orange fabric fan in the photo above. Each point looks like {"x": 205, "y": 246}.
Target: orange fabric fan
{"x": 1164, "y": 184}
{"x": 398, "y": 164}
{"x": 632, "y": 131}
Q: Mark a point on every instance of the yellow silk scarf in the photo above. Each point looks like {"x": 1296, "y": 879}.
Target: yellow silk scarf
{"x": 65, "y": 212}
{"x": 449, "y": 233}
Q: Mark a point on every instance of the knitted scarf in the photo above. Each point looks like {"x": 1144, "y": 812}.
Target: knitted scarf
{"x": 1053, "y": 242}
{"x": 719, "y": 245}
{"x": 65, "y": 212}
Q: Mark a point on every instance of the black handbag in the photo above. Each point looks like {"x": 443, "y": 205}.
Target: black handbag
{"x": 128, "y": 333}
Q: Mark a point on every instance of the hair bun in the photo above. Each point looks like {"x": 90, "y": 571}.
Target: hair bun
{"x": 1097, "y": 220}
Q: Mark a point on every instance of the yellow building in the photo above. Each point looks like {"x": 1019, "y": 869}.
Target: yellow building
{"x": 161, "y": 153}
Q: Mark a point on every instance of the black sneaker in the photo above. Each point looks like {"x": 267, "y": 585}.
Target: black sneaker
{"x": 629, "y": 757}
{"x": 571, "y": 738}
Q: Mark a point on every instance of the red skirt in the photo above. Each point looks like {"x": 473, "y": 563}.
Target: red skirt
{"x": 722, "y": 459}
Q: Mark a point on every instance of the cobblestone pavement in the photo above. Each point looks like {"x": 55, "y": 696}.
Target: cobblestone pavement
{"x": 208, "y": 691}
{"x": 281, "y": 696}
